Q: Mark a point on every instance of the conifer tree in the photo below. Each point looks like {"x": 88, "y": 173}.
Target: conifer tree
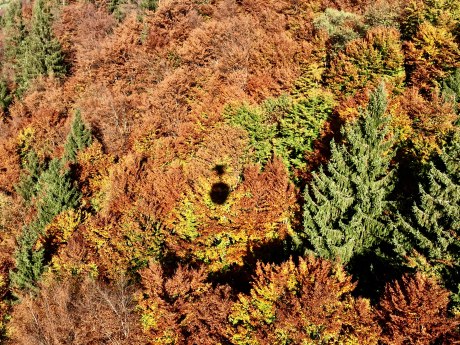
{"x": 344, "y": 204}
{"x": 28, "y": 184}
{"x": 433, "y": 228}
{"x": 5, "y": 98}
{"x": 56, "y": 193}
{"x": 14, "y": 30}
{"x": 29, "y": 261}
{"x": 40, "y": 52}
{"x": 78, "y": 139}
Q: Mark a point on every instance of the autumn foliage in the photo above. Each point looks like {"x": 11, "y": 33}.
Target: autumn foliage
{"x": 158, "y": 159}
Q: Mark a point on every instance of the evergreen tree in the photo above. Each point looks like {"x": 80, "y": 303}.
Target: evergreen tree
{"x": 28, "y": 184}
{"x": 78, "y": 139}
{"x": 451, "y": 89}
{"x": 14, "y": 30}
{"x": 433, "y": 228}
{"x": 29, "y": 261}
{"x": 5, "y": 98}
{"x": 55, "y": 194}
{"x": 40, "y": 51}
{"x": 343, "y": 212}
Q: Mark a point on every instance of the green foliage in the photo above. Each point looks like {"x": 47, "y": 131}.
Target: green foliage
{"x": 341, "y": 27}
{"x": 150, "y": 5}
{"x": 27, "y": 186}
{"x": 451, "y": 89}
{"x": 343, "y": 212}
{"x": 55, "y": 194}
{"x": 14, "y": 29}
{"x": 5, "y": 97}
{"x": 29, "y": 261}
{"x": 40, "y": 52}
{"x": 78, "y": 139}
{"x": 284, "y": 126}
{"x": 432, "y": 231}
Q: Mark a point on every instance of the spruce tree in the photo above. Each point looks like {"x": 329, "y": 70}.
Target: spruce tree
{"x": 5, "y": 98}
{"x": 56, "y": 193}
{"x": 29, "y": 260}
{"x": 345, "y": 202}
{"x": 14, "y": 30}
{"x": 40, "y": 52}
{"x": 78, "y": 139}
{"x": 432, "y": 230}
{"x": 28, "y": 183}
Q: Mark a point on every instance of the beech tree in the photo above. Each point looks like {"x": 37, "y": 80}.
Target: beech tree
{"x": 344, "y": 207}
{"x": 414, "y": 311}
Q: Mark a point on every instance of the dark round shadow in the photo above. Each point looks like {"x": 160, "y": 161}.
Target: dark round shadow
{"x": 219, "y": 193}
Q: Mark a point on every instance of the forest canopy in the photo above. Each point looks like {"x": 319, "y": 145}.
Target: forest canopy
{"x": 242, "y": 172}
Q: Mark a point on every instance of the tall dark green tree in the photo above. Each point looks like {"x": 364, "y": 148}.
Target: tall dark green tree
{"x": 345, "y": 202}
{"x": 432, "y": 230}
{"x": 14, "y": 29}
{"x": 78, "y": 139}
{"x": 40, "y": 51}
{"x": 56, "y": 193}
{"x": 27, "y": 187}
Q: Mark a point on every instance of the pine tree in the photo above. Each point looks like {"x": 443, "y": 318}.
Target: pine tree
{"x": 40, "y": 51}
{"x": 343, "y": 212}
{"x": 451, "y": 89}
{"x": 78, "y": 139}
{"x": 433, "y": 228}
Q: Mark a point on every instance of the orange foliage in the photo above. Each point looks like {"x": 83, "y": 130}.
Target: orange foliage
{"x": 414, "y": 311}
{"x": 77, "y": 311}
{"x": 183, "y": 309}
{"x": 432, "y": 55}
{"x": 366, "y": 61}
{"x": 221, "y": 224}
{"x": 304, "y": 302}
{"x": 422, "y": 121}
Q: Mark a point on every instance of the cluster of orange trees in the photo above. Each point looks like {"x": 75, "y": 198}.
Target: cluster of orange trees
{"x": 230, "y": 172}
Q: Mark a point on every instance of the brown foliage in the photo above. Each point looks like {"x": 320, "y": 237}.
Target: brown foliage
{"x": 414, "y": 311}
{"x": 423, "y": 121}
{"x": 309, "y": 301}
{"x": 183, "y": 309}
{"x": 254, "y": 213}
{"x": 77, "y": 311}
{"x": 431, "y": 56}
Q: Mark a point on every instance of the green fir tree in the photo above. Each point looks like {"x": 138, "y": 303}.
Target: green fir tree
{"x": 344, "y": 207}
{"x": 29, "y": 261}
{"x": 14, "y": 30}
{"x": 40, "y": 51}
{"x": 27, "y": 187}
{"x": 431, "y": 233}
{"x": 78, "y": 139}
{"x": 56, "y": 193}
